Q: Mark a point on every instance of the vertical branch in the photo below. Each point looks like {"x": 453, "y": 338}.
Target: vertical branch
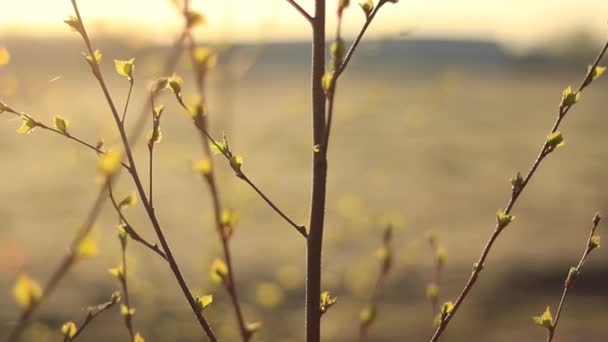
{"x": 319, "y": 180}
{"x": 200, "y": 69}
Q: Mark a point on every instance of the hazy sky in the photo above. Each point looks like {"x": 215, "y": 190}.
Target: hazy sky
{"x": 518, "y": 23}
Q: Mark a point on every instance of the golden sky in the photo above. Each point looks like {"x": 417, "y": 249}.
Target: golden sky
{"x": 518, "y": 23}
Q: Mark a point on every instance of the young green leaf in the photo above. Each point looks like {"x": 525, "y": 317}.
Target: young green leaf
{"x": 87, "y": 248}
{"x": 155, "y": 136}
{"x": 367, "y": 316}
{"x": 570, "y": 97}
{"x": 594, "y": 242}
{"x": 219, "y": 271}
{"x": 126, "y": 311}
{"x": 26, "y": 292}
{"x": 125, "y": 68}
{"x": 61, "y": 124}
{"x": 128, "y": 201}
{"x": 74, "y": 24}
{"x": 203, "y": 167}
{"x": 446, "y": 309}
{"x": 138, "y": 338}
{"x": 205, "y": 58}
{"x": 326, "y": 82}
{"x": 158, "y": 111}
{"x": 327, "y": 301}
{"x": 544, "y": 320}
{"x": 69, "y": 330}
{"x": 175, "y": 83}
{"x": 597, "y": 71}
{"x": 503, "y": 219}
{"x": 95, "y": 58}
{"x": 555, "y": 139}
{"x": 5, "y": 57}
{"x": 236, "y": 162}
{"x": 109, "y": 163}
{"x": 203, "y": 301}
{"x": 28, "y": 125}
{"x": 367, "y": 6}
{"x": 432, "y": 291}
{"x": 118, "y": 272}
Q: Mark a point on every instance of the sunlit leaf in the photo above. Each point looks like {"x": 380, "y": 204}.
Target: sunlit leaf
{"x": 545, "y": 320}
{"x": 202, "y": 166}
{"x": 129, "y": 200}
{"x": 555, "y": 139}
{"x": 138, "y": 338}
{"x": 204, "y": 301}
{"x": 87, "y": 247}
{"x": 26, "y": 292}
{"x": 110, "y": 162}
{"x": 118, "y": 272}
{"x": 61, "y": 124}
{"x": 126, "y": 311}
{"x": 28, "y": 124}
{"x": 367, "y": 6}
{"x": 219, "y": 271}
{"x": 570, "y": 97}
{"x": 125, "y": 68}
{"x": 69, "y": 329}
{"x": 5, "y": 56}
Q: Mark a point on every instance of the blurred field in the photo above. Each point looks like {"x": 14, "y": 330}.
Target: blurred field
{"x": 426, "y": 135}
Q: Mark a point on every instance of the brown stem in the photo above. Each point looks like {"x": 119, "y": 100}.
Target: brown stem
{"x": 124, "y": 112}
{"x": 569, "y": 281}
{"x": 91, "y": 315}
{"x": 136, "y": 179}
{"x": 132, "y": 233}
{"x": 230, "y": 285}
{"x": 319, "y": 181}
{"x": 563, "y": 110}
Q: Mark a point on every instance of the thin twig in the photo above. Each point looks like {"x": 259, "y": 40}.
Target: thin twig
{"x": 200, "y": 72}
{"x": 242, "y": 175}
{"x": 573, "y": 273}
{"x": 385, "y": 256}
{"x": 301, "y": 10}
{"x": 517, "y": 191}
{"x": 92, "y": 313}
{"x": 68, "y": 135}
{"x": 342, "y": 67}
{"x": 136, "y": 179}
{"x": 131, "y": 231}
{"x": 124, "y": 112}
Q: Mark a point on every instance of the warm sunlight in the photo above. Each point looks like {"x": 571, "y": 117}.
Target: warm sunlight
{"x": 517, "y": 23}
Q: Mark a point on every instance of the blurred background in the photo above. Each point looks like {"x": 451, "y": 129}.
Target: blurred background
{"x": 443, "y": 103}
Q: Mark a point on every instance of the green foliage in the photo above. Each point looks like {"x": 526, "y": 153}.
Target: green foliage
{"x": 28, "y": 125}
{"x": 545, "y": 319}
{"x": 367, "y": 6}
{"x": 570, "y": 97}
{"x": 594, "y": 242}
{"x": 367, "y": 316}
{"x": 86, "y": 248}
{"x": 61, "y": 124}
{"x": 327, "y": 301}
{"x": 203, "y": 301}
{"x": 503, "y": 219}
{"x": 125, "y": 68}
{"x": 26, "y": 292}
{"x": 555, "y": 140}
{"x": 219, "y": 271}
{"x": 69, "y": 330}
